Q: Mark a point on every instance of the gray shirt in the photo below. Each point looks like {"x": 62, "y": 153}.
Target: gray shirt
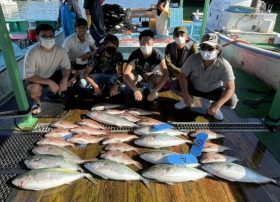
{"x": 206, "y": 80}
{"x": 42, "y": 63}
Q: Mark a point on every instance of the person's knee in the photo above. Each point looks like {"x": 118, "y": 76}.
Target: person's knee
{"x": 34, "y": 90}
{"x": 232, "y": 102}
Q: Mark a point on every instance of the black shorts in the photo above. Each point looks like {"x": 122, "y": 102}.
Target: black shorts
{"x": 78, "y": 67}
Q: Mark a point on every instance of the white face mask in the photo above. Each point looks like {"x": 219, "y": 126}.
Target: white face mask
{"x": 209, "y": 55}
{"x": 47, "y": 43}
{"x": 146, "y": 50}
{"x": 180, "y": 40}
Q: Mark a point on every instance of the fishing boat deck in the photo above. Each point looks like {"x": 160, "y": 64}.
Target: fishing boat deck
{"x": 244, "y": 146}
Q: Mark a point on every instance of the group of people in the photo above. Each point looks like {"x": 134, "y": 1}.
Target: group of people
{"x": 104, "y": 71}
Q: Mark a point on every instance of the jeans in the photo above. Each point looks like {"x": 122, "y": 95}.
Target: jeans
{"x": 104, "y": 81}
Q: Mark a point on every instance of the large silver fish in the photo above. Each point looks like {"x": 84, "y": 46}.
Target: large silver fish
{"x": 50, "y": 161}
{"x": 159, "y": 141}
{"x": 120, "y": 158}
{"x": 156, "y": 156}
{"x": 130, "y": 117}
{"x": 46, "y": 178}
{"x": 216, "y": 157}
{"x": 147, "y": 121}
{"x": 139, "y": 112}
{"x": 112, "y": 170}
{"x": 104, "y": 107}
{"x": 236, "y": 173}
{"x": 121, "y": 147}
{"x": 173, "y": 173}
{"x": 110, "y": 119}
{"x": 147, "y": 130}
{"x": 58, "y": 151}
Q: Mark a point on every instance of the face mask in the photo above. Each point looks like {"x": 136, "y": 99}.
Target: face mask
{"x": 110, "y": 50}
{"x": 47, "y": 43}
{"x": 180, "y": 40}
{"x": 146, "y": 50}
{"x": 209, "y": 55}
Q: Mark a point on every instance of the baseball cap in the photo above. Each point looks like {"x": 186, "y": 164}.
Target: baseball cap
{"x": 179, "y": 29}
{"x": 211, "y": 39}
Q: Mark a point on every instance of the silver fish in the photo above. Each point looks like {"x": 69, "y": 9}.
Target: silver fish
{"x": 139, "y": 112}
{"x": 159, "y": 141}
{"x": 116, "y": 138}
{"x": 211, "y": 147}
{"x": 58, "y": 151}
{"x": 84, "y": 139}
{"x": 55, "y": 141}
{"x": 156, "y": 156}
{"x": 115, "y": 111}
{"x": 88, "y": 130}
{"x": 104, "y": 106}
{"x": 58, "y": 132}
{"x": 130, "y": 117}
{"x": 216, "y": 157}
{"x": 147, "y": 121}
{"x": 236, "y": 173}
{"x": 211, "y": 135}
{"x": 121, "y": 147}
{"x": 46, "y": 178}
{"x": 120, "y": 158}
{"x": 173, "y": 173}
{"x": 147, "y": 130}
{"x": 63, "y": 124}
{"x": 110, "y": 119}
{"x": 50, "y": 161}
{"x": 90, "y": 123}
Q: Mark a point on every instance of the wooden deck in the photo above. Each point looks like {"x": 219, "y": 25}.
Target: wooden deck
{"x": 244, "y": 146}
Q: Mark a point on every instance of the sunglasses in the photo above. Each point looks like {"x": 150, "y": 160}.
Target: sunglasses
{"x": 206, "y": 48}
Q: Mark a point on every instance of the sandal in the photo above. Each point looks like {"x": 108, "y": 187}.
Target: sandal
{"x": 36, "y": 109}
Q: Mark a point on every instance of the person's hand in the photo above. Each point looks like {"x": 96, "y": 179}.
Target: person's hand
{"x": 152, "y": 96}
{"x": 138, "y": 95}
{"x": 71, "y": 82}
{"x": 188, "y": 100}
{"x": 63, "y": 85}
{"x": 97, "y": 90}
{"x": 88, "y": 20}
{"x": 114, "y": 90}
{"x": 54, "y": 87}
{"x": 85, "y": 56}
{"x": 213, "y": 109}
{"x": 166, "y": 12}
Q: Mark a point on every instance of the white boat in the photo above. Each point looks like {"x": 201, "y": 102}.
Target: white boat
{"x": 254, "y": 46}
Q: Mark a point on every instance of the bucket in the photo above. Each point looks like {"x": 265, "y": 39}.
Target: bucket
{"x": 32, "y": 34}
{"x": 266, "y": 26}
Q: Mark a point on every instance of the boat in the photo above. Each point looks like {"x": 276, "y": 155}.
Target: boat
{"x": 254, "y": 46}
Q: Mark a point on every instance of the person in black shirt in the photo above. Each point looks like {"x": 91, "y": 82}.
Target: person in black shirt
{"x": 146, "y": 67}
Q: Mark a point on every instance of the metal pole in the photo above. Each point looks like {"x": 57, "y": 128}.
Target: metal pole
{"x": 11, "y": 64}
{"x": 205, "y": 14}
{"x": 181, "y": 3}
{"x": 273, "y": 117}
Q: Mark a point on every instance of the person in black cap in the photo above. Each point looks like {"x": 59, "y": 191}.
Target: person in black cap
{"x": 146, "y": 68}
{"x": 207, "y": 74}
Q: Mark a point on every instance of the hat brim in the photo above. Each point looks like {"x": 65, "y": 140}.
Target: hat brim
{"x": 210, "y": 43}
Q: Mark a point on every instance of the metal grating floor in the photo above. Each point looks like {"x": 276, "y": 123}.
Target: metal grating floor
{"x": 15, "y": 147}
{"x": 5, "y": 186}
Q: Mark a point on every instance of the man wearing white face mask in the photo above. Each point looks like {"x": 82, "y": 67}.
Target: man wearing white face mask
{"x": 146, "y": 68}
{"x": 207, "y": 74}
{"x": 45, "y": 65}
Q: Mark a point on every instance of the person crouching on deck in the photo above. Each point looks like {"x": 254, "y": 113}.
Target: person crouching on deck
{"x": 146, "y": 68}
{"x": 79, "y": 47}
{"x": 207, "y": 74}
{"x": 45, "y": 65}
{"x": 106, "y": 68}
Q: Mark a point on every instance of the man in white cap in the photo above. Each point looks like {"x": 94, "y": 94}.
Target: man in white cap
{"x": 207, "y": 74}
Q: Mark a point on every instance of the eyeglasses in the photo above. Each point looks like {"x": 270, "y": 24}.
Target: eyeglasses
{"x": 206, "y": 48}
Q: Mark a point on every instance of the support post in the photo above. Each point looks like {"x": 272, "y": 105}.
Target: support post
{"x": 12, "y": 66}
{"x": 204, "y": 21}
{"x": 181, "y": 4}
{"x": 273, "y": 117}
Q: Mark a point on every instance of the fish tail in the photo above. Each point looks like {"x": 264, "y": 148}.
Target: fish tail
{"x": 138, "y": 165}
{"x": 90, "y": 178}
{"x": 147, "y": 184}
{"x": 276, "y": 181}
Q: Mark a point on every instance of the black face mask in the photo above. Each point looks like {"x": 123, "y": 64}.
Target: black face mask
{"x": 111, "y": 50}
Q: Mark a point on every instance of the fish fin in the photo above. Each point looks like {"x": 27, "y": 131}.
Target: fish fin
{"x": 138, "y": 165}
{"x": 90, "y": 178}
{"x": 147, "y": 184}
{"x": 276, "y": 181}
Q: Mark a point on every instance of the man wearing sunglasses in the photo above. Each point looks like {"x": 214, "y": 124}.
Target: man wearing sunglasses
{"x": 207, "y": 74}
{"x": 45, "y": 65}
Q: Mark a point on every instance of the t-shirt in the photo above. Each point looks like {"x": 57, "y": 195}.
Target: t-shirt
{"x": 206, "y": 80}
{"x": 75, "y": 48}
{"x": 145, "y": 65}
{"x": 44, "y": 64}
{"x": 107, "y": 65}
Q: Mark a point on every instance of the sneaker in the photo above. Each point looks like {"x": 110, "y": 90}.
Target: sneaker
{"x": 219, "y": 116}
{"x": 180, "y": 105}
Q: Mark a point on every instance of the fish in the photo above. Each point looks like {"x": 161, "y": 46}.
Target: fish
{"x": 216, "y": 157}
{"x": 171, "y": 174}
{"x": 130, "y": 117}
{"x": 120, "y": 158}
{"x": 211, "y": 135}
{"x": 159, "y": 141}
{"x": 88, "y": 130}
{"x": 91, "y": 123}
{"x": 112, "y": 170}
{"x": 236, "y": 173}
{"x": 46, "y": 178}
{"x": 64, "y": 124}
{"x": 84, "y": 139}
{"x": 211, "y": 147}
{"x": 50, "y": 161}
{"x": 147, "y": 130}
{"x": 116, "y": 138}
{"x": 139, "y": 112}
{"x": 55, "y": 141}
{"x": 147, "y": 121}
{"x": 58, "y": 151}
{"x": 104, "y": 107}
{"x": 156, "y": 156}
{"x": 115, "y": 111}
{"x": 110, "y": 119}
{"x": 121, "y": 147}
{"x": 58, "y": 132}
